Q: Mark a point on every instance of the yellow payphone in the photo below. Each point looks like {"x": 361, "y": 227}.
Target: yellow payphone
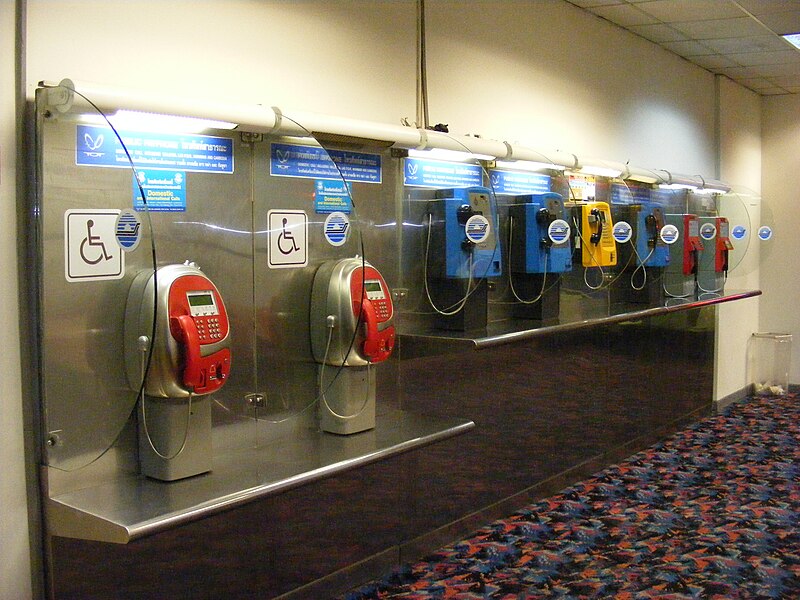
{"x": 598, "y": 246}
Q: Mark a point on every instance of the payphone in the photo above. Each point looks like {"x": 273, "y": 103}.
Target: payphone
{"x": 351, "y": 330}
{"x": 645, "y": 256}
{"x": 461, "y": 252}
{"x": 679, "y": 275}
{"x": 597, "y": 241}
{"x": 712, "y": 262}
{"x": 539, "y": 246}
{"x": 177, "y": 351}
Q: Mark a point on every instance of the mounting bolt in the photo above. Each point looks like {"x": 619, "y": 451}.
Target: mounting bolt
{"x": 255, "y": 400}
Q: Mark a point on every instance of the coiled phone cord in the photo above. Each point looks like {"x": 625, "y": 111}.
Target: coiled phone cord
{"x": 510, "y": 276}
{"x": 144, "y": 344}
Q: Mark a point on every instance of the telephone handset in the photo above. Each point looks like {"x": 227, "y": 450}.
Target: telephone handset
{"x": 351, "y": 291}
{"x": 601, "y": 249}
{"x": 692, "y": 245}
{"x": 723, "y": 245}
{"x": 596, "y": 219}
{"x": 191, "y": 351}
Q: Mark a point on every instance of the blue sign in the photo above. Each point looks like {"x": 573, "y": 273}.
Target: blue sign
{"x": 332, "y": 195}
{"x": 629, "y": 194}
{"x": 313, "y": 162}
{"x": 764, "y": 233}
{"x": 739, "y": 232}
{"x": 516, "y": 183}
{"x": 99, "y": 147}
{"x": 420, "y": 172}
{"x": 164, "y": 191}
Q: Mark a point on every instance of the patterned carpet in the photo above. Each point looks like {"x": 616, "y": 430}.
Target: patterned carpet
{"x": 712, "y": 512}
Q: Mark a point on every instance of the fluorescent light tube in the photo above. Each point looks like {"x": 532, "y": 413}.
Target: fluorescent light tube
{"x": 600, "y": 171}
{"x": 454, "y": 155}
{"x": 131, "y": 120}
{"x": 527, "y": 165}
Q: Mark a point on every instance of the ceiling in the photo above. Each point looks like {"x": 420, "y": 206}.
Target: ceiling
{"x": 740, "y": 39}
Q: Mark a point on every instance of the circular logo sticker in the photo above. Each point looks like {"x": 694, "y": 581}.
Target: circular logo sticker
{"x": 622, "y": 232}
{"x": 669, "y": 234}
{"x": 477, "y": 229}
{"x": 739, "y": 232}
{"x": 337, "y": 228}
{"x": 558, "y": 231}
{"x": 764, "y": 233}
{"x": 128, "y": 230}
{"x": 708, "y": 231}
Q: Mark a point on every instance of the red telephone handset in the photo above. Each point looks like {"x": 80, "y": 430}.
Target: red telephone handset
{"x": 198, "y": 321}
{"x": 378, "y": 345}
{"x": 185, "y": 331}
{"x": 723, "y": 245}
{"x": 372, "y": 303}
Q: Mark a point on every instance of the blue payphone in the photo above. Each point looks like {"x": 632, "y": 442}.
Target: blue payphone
{"x": 651, "y": 249}
{"x": 465, "y": 228}
{"x": 539, "y": 234}
{"x": 539, "y": 246}
{"x": 462, "y": 251}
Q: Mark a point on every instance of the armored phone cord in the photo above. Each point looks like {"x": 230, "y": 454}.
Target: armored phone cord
{"x": 641, "y": 266}
{"x": 510, "y": 275}
{"x": 453, "y": 308}
{"x": 144, "y": 343}
{"x": 331, "y": 324}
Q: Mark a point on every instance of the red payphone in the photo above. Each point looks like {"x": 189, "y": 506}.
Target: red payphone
{"x": 351, "y": 330}
{"x": 177, "y": 350}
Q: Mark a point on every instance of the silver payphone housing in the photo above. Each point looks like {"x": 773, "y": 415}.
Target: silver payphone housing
{"x": 174, "y": 423}
{"x": 346, "y": 377}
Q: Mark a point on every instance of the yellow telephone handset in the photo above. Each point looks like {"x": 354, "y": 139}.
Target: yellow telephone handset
{"x": 599, "y": 248}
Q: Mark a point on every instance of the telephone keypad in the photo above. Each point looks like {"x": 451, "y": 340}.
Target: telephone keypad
{"x": 208, "y": 329}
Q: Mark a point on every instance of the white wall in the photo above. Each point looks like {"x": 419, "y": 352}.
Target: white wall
{"x": 779, "y": 280}
{"x": 541, "y": 72}
{"x": 353, "y": 58}
{"x": 15, "y": 574}
{"x": 740, "y": 166}
{"x": 557, "y": 77}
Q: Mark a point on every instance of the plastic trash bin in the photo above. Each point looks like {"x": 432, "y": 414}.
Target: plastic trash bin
{"x": 769, "y": 361}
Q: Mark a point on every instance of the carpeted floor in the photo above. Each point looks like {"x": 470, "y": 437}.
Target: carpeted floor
{"x": 712, "y": 512}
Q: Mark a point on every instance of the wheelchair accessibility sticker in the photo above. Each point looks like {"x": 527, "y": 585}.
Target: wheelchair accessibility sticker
{"x": 91, "y": 250}
{"x": 288, "y": 239}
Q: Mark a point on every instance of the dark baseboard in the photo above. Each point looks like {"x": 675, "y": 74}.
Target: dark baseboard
{"x": 720, "y": 405}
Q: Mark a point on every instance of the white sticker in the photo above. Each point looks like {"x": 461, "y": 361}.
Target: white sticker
{"x": 128, "y": 230}
{"x": 91, "y": 252}
{"x": 337, "y": 228}
{"x": 708, "y": 231}
{"x": 669, "y": 234}
{"x": 622, "y": 232}
{"x": 765, "y": 233}
{"x": 477, "y": 229}
{"x": 288, "y": 238}
{"x": 558, "y": 231}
